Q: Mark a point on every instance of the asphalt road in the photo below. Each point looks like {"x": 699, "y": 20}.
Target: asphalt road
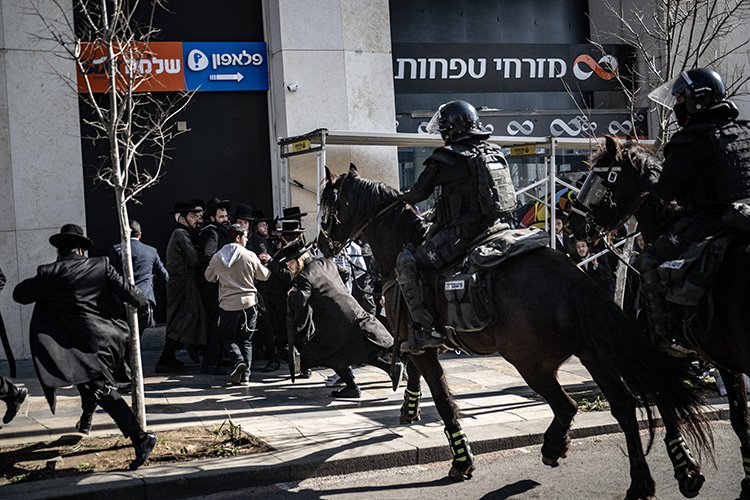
{"x": 596, "y": 468}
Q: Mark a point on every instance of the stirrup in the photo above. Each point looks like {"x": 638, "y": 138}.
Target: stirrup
{"x": 421, "y": 338}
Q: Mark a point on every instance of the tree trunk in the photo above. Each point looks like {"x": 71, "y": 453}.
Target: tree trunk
{"x": 136, "y": 368}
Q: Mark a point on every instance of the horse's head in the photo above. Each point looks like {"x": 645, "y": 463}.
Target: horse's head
{"x": 341, "y": 215}
{"x": 611, "y": 192}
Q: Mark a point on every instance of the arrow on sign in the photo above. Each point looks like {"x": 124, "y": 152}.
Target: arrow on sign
{"x": 237, "y": 77}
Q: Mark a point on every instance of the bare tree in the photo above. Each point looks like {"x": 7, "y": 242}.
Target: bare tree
{"x": 671, "y": 36}
{"x": 108, "y": 40}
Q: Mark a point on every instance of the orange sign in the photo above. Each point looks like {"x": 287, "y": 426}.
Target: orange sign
{"x": 148, "y": 67}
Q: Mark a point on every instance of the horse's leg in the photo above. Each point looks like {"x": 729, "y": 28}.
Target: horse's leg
{"x": 430, "y": 368}
{"x": 687, "y": 470}
{"x": 737, "y": 396}
{"x": 410, "y": 411}
{"x": 557, "y": 436}
{"x": 623, "y": 408}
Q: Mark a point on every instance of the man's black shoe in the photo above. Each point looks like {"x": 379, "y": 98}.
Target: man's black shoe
{"x": 84, "y": 423}
{"x": 193, "y": 354}
{"x": 14, "y": 404}
{"x": 237, "y": 372}
{"x": 271, "y": 366}
{"x": 143, "y": 450}
{"x": 306, "y": 373}
{"x": 347, "y": 392}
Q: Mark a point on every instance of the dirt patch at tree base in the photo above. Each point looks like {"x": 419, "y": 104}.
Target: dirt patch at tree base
{"x": 73, "y": 455}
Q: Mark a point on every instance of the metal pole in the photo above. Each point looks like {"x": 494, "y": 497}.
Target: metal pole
{"x": 553, "y": 191}
{"x": 321, "y": 165}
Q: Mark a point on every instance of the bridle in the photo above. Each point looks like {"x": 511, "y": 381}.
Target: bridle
{"x": 597, "y": 192}
{"x": 331, "y": 216}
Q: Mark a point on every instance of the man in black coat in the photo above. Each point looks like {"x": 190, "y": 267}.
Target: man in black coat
{"x": 13, "y": 395}
{"x": 212, "y": 237}
{"x": 78, "y": 335}
{"x": 146, "y": 262}
{"x": 329, "y": 327}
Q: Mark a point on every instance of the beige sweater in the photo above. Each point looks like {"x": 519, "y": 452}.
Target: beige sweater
{"x": 236, "y": 269}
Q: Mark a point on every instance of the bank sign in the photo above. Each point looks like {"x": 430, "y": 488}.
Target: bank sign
{"x": 471, "y": 68}
{"x": 177, "y": 66}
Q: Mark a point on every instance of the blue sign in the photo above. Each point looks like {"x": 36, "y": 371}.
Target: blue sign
{"x": 225, "y": 66}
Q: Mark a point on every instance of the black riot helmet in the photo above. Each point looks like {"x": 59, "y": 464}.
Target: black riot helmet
{"x": 691, "y": 93}
{"x": 457, "y": 120}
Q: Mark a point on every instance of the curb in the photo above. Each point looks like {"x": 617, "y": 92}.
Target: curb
{"x": 188, "y": 479}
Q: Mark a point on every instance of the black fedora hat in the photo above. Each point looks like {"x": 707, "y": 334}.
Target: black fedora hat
{"x": 259, "y": 216}
{"x": 294, "y": 250}
{"x": 198, "y": 203}
{"x": 215, "y": 204}
{"x": 186, "y": 206}
{"x": 291, "y": 227}
{"x": 244, "y": 212}
{"x": 70, "y": 236}
{"x": 292, "y": 213}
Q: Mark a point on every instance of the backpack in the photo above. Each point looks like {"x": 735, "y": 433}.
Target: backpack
{"x": 492, "y": 182}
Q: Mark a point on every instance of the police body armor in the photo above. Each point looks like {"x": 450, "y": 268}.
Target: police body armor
{"x": 727, "y": 170}
{"x": 489, "y": 194}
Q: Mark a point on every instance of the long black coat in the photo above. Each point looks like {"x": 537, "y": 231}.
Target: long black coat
{"x": 341, "y": 327}
{"x": 78, "y": 333}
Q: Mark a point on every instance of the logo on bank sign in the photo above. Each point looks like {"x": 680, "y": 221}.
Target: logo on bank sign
{"x": 605, "y": 68}
{"x": 197, "y": 60}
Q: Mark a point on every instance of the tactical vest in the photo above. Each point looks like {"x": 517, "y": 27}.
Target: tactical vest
{"x": 732, "y": 141}
{"x": 489, "y": 194}
{"x": 726, "y": 176}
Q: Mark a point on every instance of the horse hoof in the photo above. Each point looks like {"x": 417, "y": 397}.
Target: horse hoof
{"x": 405, "y": 419}
{"x": 551, "y": 462}
{"x": 458, "y": 475}
{"x": 690, "y": 484}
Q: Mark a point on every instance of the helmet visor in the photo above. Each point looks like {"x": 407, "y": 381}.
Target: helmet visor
{"x": 433, "y": 126}
{"x": 666, "y": 94}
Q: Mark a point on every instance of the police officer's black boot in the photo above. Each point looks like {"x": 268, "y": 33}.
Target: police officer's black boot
{"x": 422, "y": 335}
{"x": 14, "y": 400}
{"x": 659, "y": 315}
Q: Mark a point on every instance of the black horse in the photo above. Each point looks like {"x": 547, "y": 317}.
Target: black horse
{"x": 547, "y": 311}
{"x": 717, "y": 331}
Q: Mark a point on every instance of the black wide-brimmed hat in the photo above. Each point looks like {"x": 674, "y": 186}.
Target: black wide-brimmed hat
{"x": 186, "y": 206}
{"x": 70, "y": 236}
{"x": 291, "y": 227}
{"x": 294, "y": 250}
{"x": 215, "y": 203}
{"x": 292, "y": 213}
{"x": 244, "y": 212}
{"x": 198, "y": 203}
{"x": 259, "y": 216}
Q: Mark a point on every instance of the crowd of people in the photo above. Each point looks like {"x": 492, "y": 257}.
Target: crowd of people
{"x": 598, "y": 268}
{"x": 225, "y": 282}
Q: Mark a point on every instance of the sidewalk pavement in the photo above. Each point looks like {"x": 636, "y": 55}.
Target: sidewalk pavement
{"x": 311, "y": 433}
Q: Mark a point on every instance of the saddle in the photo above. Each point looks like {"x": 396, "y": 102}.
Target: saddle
{"x": 689, "y": 278}
{"x": 467, "y": 285}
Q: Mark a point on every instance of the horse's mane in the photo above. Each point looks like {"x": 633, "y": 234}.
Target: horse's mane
{"x": 373, "y": 196}
{"x": 642, "y": 157}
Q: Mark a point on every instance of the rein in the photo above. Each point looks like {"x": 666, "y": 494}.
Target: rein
{"x": 337, "y": 247}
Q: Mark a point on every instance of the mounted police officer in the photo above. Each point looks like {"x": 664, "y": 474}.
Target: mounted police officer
{"x": 706, "y": 168}
{"x": 475, "y": 190}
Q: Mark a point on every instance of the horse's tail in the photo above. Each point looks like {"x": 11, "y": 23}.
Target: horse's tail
{"x": 650, "y": 375}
